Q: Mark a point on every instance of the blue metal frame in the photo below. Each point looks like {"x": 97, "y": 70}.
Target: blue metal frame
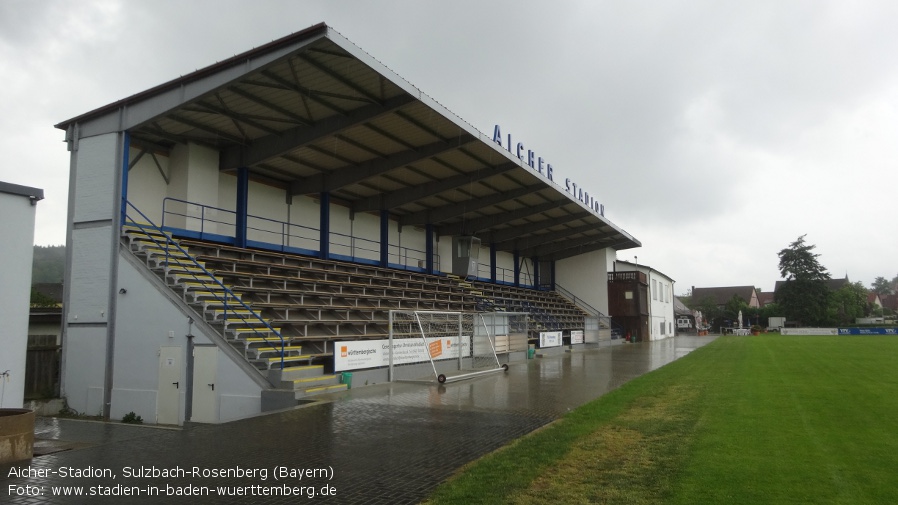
{"x": 428, "y": 248}
{"x": 384, "y": 237}
{"x": 126, "y": 160}
{"x": 242, "y": 205}
{"x": 325, "y": 228}
{"x": 493, "y": 263}
{"x": 517, "y": 268}
{"x": 535, "y": 261}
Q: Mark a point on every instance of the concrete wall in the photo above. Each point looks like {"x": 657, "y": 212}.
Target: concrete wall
{"x": 147, "y": 187}
{"x": 586, "y": 276}
{"x": 195, "y": 178}
{"x": 16, "y": 249}
{"x": 148, "y": 319}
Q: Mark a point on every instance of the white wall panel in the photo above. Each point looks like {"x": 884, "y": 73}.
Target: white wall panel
{"x": 271, "y": 204}
{"x": 85, "y": 365}
{"x": 586, "y": 276}
{"x": 89, "y": 277}
{"x": 16, "y": 251}
{"x": 147, "y": 187}
{"x": 94, "y": 178}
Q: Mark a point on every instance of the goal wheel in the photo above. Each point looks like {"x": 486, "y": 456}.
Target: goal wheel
{"x": 505, "y": 366}
{"x": 441, "y": 378}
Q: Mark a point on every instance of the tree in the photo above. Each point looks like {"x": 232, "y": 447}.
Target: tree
{"x": 847, "y": 304}
{"x": 39, "y": 299}
{"x": 797, "y": 262}
{"x": 804, "y": 297}
{"x": 881, "y": 286}
{"x": 48, "y": 265}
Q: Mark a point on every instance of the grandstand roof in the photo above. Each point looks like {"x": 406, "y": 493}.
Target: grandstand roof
{"x": 313, "y": 113}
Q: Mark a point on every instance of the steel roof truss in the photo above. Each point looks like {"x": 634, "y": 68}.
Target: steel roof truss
{"x": 507, "y": 234}
{"x": 349, "y": 175}
{"x": 278, "y": 145}
{"x": 388, "y": 135}
{"x": 471, "y": 226}
{"x": 339, "y": 78}
{"x": 552, "y": 248}
{"x": 472, "y": 204}
{"x": 542, "y": 238}
{"x": 207, "y": 128}
{"x": 402, "y": 197}
{"x": 270, "y": 106}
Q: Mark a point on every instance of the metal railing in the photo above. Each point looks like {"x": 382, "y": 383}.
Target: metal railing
{"x": 215, "y": 223}
{"x": 229, "y": 300}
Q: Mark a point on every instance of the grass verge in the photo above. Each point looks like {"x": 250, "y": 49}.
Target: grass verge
{"x": 767, "y": 419}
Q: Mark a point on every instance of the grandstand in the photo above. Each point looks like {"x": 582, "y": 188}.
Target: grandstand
{"x": 233, "y": 231}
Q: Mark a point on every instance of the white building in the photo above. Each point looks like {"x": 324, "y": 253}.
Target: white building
{"x": 17, "y": 212}
{"x": 662, "y": 320}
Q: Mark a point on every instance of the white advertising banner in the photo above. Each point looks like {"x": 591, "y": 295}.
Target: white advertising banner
{"x": 809, "y": 331}
{"x": 577, "y": 337}
{"x": 549, "y": 338}
{"x": 375, "y": 353}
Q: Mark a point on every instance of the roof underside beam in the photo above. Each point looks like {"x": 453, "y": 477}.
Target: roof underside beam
{"x": 473, "y": 204}
{"x": 504, "y": 236}
{"x": 559, "y": 248}
{"x": 408, "y": 195}
{"x": 471, "y": 226}
{"x": 272, "y": 146}
{"x": 543, "y": 238}
{"x": 346, "y": 176}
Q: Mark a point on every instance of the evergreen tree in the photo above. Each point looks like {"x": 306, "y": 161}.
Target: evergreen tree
{"x": 804, "y": 297}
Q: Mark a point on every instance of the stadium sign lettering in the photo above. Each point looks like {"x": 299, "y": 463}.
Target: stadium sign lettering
{"x": 545, "y": 168}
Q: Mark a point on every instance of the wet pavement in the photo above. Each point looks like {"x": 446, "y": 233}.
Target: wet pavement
{"x": 390, "y": 443}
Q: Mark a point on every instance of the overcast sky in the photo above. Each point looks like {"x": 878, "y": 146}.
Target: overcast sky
{"x": 716, "y": 133}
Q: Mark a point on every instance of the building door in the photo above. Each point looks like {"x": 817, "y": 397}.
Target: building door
{"x": 168, "y": 396}
{"x": 205, "y": 389}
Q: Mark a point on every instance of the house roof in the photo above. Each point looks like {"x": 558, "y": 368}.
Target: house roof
{"x": 680, "y": 308}
{"x": 889, "y": 301}
{"x": 312, "y": 113}
{"x": 722, "y": 295}
{"x": 766, "y": 297}
{"x": 832, "y": 284}
{"x": 636, "y": 266}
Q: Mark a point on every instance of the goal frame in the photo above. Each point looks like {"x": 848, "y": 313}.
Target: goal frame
{"x": 421, "y": 336}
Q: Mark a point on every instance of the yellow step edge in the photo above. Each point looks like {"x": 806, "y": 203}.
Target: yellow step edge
{"x": 147, "y": 229}
{"x": 300, "y": 357}
{"x": 325, "y": 388}
{"x": 302, "y": 368}
{"x": 275, "y": 349}
{"x": 313, "y": 379}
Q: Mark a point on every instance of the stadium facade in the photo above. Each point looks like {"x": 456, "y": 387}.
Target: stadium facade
{"x": 275, "y": 201}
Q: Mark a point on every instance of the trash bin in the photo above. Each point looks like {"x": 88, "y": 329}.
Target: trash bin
{"x": 347, "y": 379}
{"x": 531, "y": 353}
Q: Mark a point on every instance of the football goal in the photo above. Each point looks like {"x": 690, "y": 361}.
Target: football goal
{"x": 442, "y": 346}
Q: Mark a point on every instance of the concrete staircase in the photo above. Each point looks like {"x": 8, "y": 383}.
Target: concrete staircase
{"x": 242, "y": 326}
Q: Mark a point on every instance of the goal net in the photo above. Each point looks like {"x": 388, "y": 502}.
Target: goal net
{"x": 441, "y": 346}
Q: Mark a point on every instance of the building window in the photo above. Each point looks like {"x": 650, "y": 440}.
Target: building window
{"x": 662, "y": 327}
{"x": 628, "y": 295}
{"x": 654, "y": 289}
